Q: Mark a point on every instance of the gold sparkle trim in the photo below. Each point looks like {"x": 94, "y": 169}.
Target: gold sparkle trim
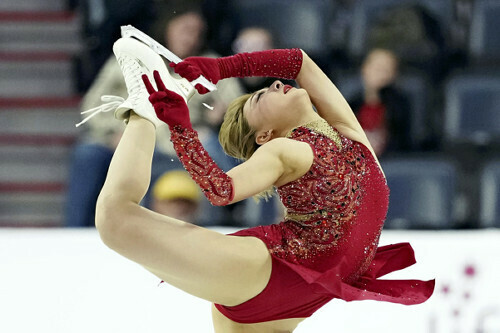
{"x": 323, "y": 127}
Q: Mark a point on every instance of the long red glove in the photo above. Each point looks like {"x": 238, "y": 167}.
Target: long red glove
{"x": 172, "y": 109}
{"x": 282, "y": 63}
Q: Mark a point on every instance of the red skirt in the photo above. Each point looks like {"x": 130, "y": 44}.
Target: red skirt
{"x": 295, "y": 291}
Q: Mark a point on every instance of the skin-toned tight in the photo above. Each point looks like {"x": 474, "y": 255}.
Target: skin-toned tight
{"x": 223, "y": 269}
{"x": 228, "y": 270}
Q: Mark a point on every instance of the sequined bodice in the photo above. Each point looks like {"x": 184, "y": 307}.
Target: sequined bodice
{"x": 338, "y": 206}
{"x": 332, "y": 183}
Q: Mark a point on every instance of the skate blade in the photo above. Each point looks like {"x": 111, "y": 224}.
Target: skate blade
{"x": 130, "y": 31}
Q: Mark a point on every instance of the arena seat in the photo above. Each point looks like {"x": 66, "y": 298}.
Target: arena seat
{"x": 366, "y": 12}
{"x": 293, "y": 23}
{"x": 422, "y": 193}
{"x": 484, "y": 39}
{"x": 490, "y": 195}
{"x": 472, "y": 109}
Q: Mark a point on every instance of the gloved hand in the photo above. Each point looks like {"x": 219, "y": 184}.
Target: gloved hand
{"x": 191, "y": 68}
{"x": 169, "y": 106}
{"x": 283, "y": 64}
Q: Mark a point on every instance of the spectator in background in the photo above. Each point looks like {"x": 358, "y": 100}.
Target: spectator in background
{"x": 382, "y": 110}
{"x": 176, "y": 195}
{"x": 183, "y": 32}
{"x": 250, "y": 40}
{"x": 253, "y": 39}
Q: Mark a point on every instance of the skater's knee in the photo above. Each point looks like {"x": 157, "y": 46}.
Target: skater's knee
{"x": 111, "y": 216}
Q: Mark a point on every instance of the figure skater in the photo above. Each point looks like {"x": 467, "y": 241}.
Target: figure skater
{"x": 267, "y": 278}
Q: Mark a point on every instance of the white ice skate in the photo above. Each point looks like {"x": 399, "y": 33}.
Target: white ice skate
{"x": 130, "y": 31}
{"x": 135, "y": 59}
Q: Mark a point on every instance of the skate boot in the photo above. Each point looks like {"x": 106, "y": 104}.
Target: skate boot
{"x": 130, "y": 31}
{"x": 136, "y": 59}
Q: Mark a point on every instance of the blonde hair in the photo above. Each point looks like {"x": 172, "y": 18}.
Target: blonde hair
{"x": 237, "y": 137}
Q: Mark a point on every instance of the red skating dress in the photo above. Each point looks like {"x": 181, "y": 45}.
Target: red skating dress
{"x": 327, "y": 245}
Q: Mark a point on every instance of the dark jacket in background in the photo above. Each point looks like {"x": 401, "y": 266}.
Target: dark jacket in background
{"x": 398, "y": 117}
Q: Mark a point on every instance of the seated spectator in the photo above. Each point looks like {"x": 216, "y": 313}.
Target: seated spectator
{"x": 382, "y": 110}
{"x": 254, "y": 39}
{"x": 176, "y": 195}
{"x": 184, "y": 36}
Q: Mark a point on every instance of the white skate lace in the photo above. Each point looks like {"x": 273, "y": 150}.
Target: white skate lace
{"x": 132, "y": 74}
{"x": 110, "y": 104}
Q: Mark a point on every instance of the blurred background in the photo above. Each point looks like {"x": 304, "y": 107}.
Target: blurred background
{"x": 422, "y": 76}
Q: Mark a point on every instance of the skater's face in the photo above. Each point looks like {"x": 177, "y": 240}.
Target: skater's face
{"x": 276, "y": 107}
